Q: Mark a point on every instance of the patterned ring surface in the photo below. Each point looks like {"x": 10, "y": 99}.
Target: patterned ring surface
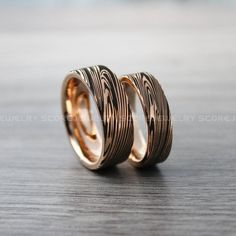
{"x": 100, "y": 86}
{"x": 146, "y": 90}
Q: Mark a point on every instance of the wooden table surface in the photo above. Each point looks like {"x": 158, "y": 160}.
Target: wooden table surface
{"x": 44, "y": 190}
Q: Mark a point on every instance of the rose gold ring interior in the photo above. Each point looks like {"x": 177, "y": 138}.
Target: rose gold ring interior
{"x": 86, "y": 135}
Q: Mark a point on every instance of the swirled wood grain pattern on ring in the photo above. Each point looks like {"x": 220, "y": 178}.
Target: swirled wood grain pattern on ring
{"x": 112, "y": 104}
{"x": 157, "y": 115}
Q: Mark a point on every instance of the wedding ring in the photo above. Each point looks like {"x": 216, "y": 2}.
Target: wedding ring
{"x": 151, "y": 119}
{"x": 97, "y": 117}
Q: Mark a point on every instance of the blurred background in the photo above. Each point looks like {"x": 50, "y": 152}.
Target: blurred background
{"x": 188, "y": 45}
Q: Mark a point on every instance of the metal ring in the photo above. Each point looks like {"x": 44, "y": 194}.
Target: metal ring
{"x": 97, "y": 117}
{"x": 153, "y": 141}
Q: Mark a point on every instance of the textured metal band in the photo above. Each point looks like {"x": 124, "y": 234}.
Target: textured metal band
{"x": 157, "y": 115}
{"x": 115, "y": 115}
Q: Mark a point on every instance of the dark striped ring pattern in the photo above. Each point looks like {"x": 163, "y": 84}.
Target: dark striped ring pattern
{"x": 157, "y": 114}
{"x": 114, "y": 111}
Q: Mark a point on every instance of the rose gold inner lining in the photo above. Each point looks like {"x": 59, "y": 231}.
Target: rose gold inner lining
{"x": 139, "y": 148}
{"x": 83, "y": 121}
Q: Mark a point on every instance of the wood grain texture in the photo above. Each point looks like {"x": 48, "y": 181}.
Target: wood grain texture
{"x": 43, "y": 188}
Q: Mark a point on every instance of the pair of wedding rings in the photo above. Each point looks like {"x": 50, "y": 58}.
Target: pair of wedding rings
{"x": 110, "y": 119}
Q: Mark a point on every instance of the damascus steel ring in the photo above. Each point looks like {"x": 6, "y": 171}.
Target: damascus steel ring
{"x": 97, "y": 117}
{"x": 151, "y": 119}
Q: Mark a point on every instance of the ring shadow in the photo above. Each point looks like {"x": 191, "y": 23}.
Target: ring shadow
{"x": 126, "y": 170}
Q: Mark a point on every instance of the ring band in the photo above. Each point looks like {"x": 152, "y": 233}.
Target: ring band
{"x": 153, "y": 141}
{"x": 107, "y": 141}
